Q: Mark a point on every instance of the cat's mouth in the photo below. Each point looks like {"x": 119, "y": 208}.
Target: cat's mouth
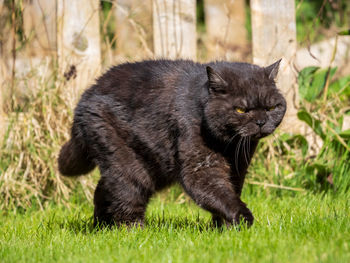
{"x": 257, "y": 134}
{"x": 254, "y": 132}
{"x": 260, "y": 135}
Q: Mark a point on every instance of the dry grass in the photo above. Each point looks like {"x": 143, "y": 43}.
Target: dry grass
{"x": 37, "y": 126}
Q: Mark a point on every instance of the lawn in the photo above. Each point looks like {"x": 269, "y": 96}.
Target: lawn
{"x": 289, "y": 227}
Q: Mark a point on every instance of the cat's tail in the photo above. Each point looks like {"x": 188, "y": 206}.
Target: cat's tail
{"x": 73, "y": 159}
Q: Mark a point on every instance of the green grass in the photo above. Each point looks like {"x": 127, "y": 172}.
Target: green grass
{"x": 289, "y": 227}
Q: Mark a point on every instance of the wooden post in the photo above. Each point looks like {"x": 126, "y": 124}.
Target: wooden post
{"x": 2, "y": 114}
{"x": 2, "y": 123}
{"x": 133, "y": 29}
{"x": 274, "y": 37}
{"x": 78, "y": 44}
{"x": 225, "y": 26}
{"x": 174, "y": 28}
{"x": 39, "y": 22}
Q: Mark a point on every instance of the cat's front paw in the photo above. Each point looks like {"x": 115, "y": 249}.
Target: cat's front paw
{"x": 243, "y": 214}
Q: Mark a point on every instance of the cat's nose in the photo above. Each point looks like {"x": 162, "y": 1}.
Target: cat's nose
{"x": 260, "y": 122}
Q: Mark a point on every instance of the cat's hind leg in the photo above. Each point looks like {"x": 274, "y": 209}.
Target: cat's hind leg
{"x": 125, "y": 187}
{"x": 120, "y": 200}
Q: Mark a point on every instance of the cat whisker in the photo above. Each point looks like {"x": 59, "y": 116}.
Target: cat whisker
{"x": 230, "y": 141}
{"x": 245, "y": 149}
{"x": 243, "y": 146}
{"x": 249, "y": 140}
{"x": 237, "y": 154}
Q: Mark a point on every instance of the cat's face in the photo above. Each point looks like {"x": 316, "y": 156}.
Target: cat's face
{"x": 244, "y": 100}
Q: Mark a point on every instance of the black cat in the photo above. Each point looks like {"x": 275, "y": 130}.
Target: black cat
{"x": 149, "y": 124}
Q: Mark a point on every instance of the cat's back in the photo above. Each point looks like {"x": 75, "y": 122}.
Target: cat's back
{"x": 145, "y": 96}
{"x": 148, "y": 77}
{"x": 143, "y": 90}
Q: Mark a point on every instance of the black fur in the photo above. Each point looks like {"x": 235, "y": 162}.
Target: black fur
{"x": 149, "y": 124}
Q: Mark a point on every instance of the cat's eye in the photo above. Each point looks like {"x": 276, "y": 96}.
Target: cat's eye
{"x": 240, "y": 110}
{"x": 271, "y": 108}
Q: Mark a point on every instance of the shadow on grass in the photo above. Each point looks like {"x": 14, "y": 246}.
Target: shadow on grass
{"x": 179, "y": 223}
{"x": 78, "y": 225}
{"x": 83, "y": 225}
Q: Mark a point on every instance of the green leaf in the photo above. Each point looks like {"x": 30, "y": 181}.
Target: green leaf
{"x": 345, "y": 134}
{"x": 311, "y": 82}
{"x": 315, "y": 124}
{"x": 306, "y": 117}
{"x": 340, "y": 87}
{"x": 305, "y": 78}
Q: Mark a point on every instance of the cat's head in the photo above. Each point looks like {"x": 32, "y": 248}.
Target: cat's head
{"x": 243, "y": 99}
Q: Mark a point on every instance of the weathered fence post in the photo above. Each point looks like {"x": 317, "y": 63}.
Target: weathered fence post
{"x": 2, "y": 114}
{"x": 133, "y": 29}
{"x": 274, "y": 37}
{"x": 2, "y": 123}
{"x": 39, "y": 22}
{"x": 225, "y": 26}
{"x": 78, "y": 44}
{"x": 174, "y": 28}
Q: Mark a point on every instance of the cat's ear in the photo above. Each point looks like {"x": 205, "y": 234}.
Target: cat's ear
{"x": 272, "y": 70}
{"x": 216, "y": 82}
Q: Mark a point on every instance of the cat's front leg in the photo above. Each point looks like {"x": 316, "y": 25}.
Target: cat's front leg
{"x": 242, "y": 213}
{"x": 205, "y": 177}
{"x": 219, "y": 222}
